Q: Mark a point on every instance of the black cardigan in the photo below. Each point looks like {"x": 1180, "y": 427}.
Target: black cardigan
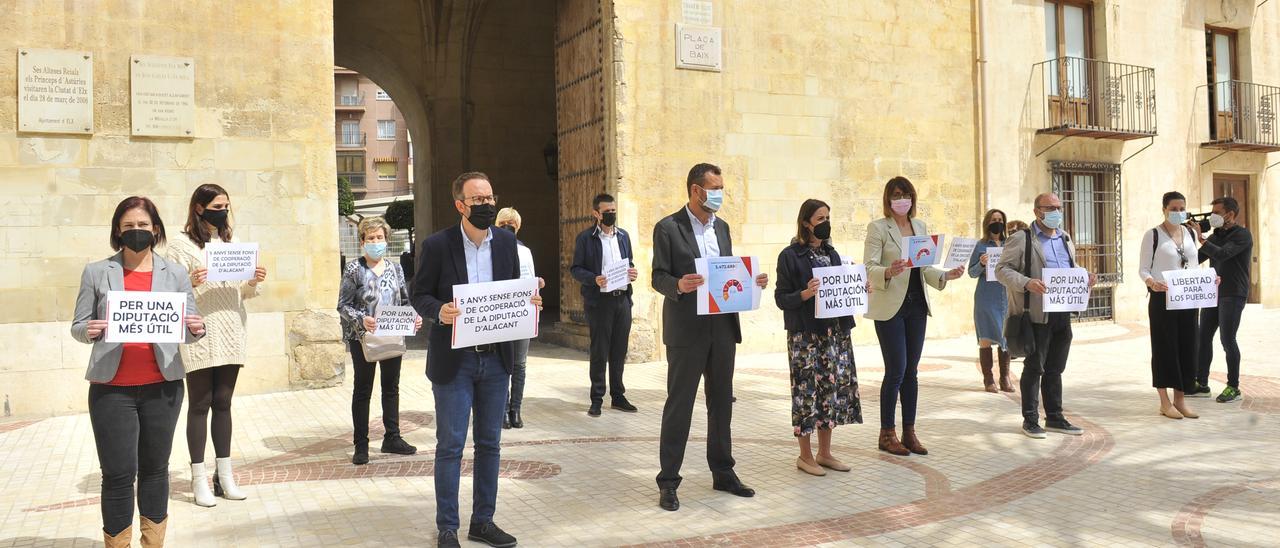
{"x": 794, "y": 273}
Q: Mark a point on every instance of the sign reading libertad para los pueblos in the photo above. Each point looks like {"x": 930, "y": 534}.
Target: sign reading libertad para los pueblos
{"x": 1191, "y": 288}
{"x": 494, "y": 312}
{"x": 146, "y": 317}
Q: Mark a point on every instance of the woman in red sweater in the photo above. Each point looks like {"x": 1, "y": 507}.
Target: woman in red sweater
{"x": 136, "y": 391}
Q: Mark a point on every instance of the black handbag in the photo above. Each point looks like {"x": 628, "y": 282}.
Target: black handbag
{"x": 1018, "y": 335}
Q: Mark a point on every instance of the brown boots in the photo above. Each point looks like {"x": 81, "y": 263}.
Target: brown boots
{"x": 153, "y": 533}
{"x": 910, "y": 443}
{"x": 120, "y": 540}
{"x": 889, "y": 442}
{"x": 986, "y": 361}
{"x": 1006, "y": 381}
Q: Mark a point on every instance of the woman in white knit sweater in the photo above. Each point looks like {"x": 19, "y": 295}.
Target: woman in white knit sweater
{"x": 213, "y": 362}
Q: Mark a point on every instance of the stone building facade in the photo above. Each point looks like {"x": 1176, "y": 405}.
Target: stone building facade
{"x": 979, "y": 103}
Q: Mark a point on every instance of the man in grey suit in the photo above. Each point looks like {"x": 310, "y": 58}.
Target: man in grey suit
{"x": 697, "y": 346}
{"x": 1051, "y": 247}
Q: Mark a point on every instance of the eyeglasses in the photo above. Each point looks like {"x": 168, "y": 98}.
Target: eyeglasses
{"x": 480, "y": 200}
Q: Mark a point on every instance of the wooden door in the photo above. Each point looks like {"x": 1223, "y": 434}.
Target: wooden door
{"x": 1068, "y": 33}
{"x": 581, "y": 129}
{"x": 1237, "y": 186}
{"x": 1220, "y": 49}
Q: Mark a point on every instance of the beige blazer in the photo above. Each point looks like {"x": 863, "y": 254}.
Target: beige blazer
{"x": 882, "y": 247}
{"x": 1014, "y": 275}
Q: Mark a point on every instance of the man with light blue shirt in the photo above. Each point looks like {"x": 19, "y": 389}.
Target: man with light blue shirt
{"x": 471, "y": 381}
{"x": 1042, "y": 368}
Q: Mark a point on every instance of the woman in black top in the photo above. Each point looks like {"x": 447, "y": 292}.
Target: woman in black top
{"x": 824, "y": 380}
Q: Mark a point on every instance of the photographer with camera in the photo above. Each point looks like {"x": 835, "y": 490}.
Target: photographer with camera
{"x": 1229, "y": 250}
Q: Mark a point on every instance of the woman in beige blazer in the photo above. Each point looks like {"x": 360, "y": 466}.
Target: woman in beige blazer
{"x": 900, "y": 307}
{"x": 136, "y": 391}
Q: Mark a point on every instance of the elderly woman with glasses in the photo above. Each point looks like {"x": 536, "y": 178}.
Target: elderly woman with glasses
{"x": 1167, "y": 247}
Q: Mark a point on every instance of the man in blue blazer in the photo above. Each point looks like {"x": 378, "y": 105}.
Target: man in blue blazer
{"x": 466, "y": 380}
{"x": 698, "y": 346}
{"x": 608, "y": 313}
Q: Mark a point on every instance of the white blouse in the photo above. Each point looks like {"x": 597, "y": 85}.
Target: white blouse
{"x": 1166, "y": 255}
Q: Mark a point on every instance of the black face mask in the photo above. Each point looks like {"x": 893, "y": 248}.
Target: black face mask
{"x": 483, "y": 215}
{"x": 823, "y": 230}
{"x": 609, "y": 218}
{"x": 137, "y": 239}
{"x": 509, "y": 228}
{"x": 995, "y": 228}
{"x": 215, "y": 217}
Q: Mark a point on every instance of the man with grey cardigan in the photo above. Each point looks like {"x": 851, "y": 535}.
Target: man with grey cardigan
{"x": 1042, "y": 369}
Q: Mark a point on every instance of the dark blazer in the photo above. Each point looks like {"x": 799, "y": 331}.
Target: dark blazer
{"x": 674, "y": 249}
{"x": 794, "y": 272}
{"x": 588, "y": 260}
{"x": 442, "y": 264}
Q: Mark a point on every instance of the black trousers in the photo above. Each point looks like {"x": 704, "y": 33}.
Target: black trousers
{"x": 1225, "y": 316}
{"x": 133, "y": 430}
{"x": 712, "y": 357}
{"x": 1042, "y": 370}
{"x": 1173, "y": 345}
{"x": 362, "y": 390}
{"x": 609, "y": 323}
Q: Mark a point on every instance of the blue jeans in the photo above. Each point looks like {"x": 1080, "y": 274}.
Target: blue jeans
{"x": 901, "y": 343}
{"x": 481, "y": 386}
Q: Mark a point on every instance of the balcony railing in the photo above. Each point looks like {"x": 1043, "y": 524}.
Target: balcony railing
{"x": 356, "y": 100}
{"x": 1242, "y": 116}
{"x": 345, "y": 139}
{"x": 1091, "y": 98}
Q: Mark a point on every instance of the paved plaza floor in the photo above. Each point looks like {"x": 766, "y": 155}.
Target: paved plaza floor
{"x": 1134, "y": 479}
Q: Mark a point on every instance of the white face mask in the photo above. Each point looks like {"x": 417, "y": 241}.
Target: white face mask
{"x": 1216, "y": 221}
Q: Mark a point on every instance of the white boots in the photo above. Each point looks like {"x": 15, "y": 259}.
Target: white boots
{"x": 200, "y": 486}
{"x": 224, "y": 484}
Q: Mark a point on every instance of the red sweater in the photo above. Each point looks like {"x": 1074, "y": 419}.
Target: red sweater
{"x": 137, "y": 360}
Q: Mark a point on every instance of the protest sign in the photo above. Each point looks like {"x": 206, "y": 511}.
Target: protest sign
{"x": 494, "y": 312}
{"x": 993, "y": 257}
{"x": 1191, "y": 288}
{"x": 395, "y": 320}
{"x": 843, "y": 291}
{"x": 729, "y": 284}
{"x": 146, "y": 317}
{"x": 230, "y": 262}
{"x": 1066, "y": 289}
{"x": 617, "y": 276}
{"x": 961, "y": 250}
{"x": 922, "y": 250}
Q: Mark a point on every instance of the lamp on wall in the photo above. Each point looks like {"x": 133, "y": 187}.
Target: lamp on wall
{"x": 551, "y": 155}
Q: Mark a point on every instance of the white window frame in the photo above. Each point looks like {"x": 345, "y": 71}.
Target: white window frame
{"x": 382, "y": 136}
{"x": 395, "y": 171}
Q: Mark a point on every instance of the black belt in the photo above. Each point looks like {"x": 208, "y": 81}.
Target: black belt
{"x": 616, "y": 293}
{"x": 480, "y": 349}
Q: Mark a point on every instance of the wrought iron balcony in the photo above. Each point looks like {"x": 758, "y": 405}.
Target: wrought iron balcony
{"x": 354, "y": 139}
{"x": 356, "y": 100}
{"x": 1091, "y": 98}
{"x": 1242, "y": 116}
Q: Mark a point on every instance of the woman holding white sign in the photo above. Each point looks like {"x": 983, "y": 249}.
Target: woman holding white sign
{"x": 900, "y": 308}
{"x": 367, "y": 283}
{"x": 990, "y": 303}
{"x": 1170, "y": 246}
{"x": 136, "y": 391}
{"x": 824, "y": 378}
{"x": 213, "y": 363}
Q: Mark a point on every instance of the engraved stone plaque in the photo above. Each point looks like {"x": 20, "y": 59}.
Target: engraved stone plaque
{"x": 55, "y": 91}
{"x": 698, "y": 48}
{"x": 163, "y": 95}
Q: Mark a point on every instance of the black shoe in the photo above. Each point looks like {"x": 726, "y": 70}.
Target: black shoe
{"x": 398, "y": 446}
{"x": 735, "y": 487}
{"x": 491, "y": 534}
{"x": 448, "y": 539}
{"x": 1061, "y": 426}
{"x": 361, "y": 455}
{"x": 1201, "y": 391}
{"x": 506, "y": 421}
{"x": 733, "y": 399}
{"x": 1033, "y": 430}
{"x": 513, "y": 417}
{"x": 621, "y": 404}
{"x": 595, "y": 409}
{"x": 668, "y": 500}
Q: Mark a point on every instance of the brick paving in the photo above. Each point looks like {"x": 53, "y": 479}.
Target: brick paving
{"x": 1133, "y": 479}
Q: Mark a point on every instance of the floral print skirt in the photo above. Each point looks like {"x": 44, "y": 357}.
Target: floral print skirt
{"x": 824, "y": 381}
